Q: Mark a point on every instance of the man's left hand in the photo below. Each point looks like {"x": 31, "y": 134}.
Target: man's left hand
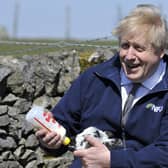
{"x": 96, "y": 156}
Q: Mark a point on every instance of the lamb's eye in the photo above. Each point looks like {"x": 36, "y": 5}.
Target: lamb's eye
{"x": 97, "y": 134}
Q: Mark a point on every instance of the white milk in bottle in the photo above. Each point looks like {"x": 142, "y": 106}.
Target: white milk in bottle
{"x": 40, "y": 118}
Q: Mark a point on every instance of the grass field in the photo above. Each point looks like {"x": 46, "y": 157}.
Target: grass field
{"x": 84, "y": 49}
{"x": 37, "y": 46}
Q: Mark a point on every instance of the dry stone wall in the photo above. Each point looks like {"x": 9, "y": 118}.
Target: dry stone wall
{"x": 40, "y": 79}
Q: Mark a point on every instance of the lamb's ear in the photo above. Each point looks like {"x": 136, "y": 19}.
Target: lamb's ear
{"x": 109, "y": 134}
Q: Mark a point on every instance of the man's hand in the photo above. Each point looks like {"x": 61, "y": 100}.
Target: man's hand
{"x": 97, "y": 156}
{"x": 49, "y": 139}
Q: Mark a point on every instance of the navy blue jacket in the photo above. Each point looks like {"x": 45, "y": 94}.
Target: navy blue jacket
{"x": 94, "y": 99}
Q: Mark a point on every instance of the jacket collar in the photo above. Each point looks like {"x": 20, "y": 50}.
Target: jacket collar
{"x": 111, "y": 71}
{"x": 164, "y": 84}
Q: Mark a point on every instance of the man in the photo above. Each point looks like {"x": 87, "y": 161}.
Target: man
{"x": 99, "y": 96}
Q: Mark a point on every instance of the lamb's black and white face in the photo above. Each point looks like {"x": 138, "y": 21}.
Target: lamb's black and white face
{"x": 104, "y": 137}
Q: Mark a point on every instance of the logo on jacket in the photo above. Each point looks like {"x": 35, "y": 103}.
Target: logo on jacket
{"x": 154, "y": 108}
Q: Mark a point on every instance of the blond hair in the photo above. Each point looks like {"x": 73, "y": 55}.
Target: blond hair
{"x": 145, "y": 20}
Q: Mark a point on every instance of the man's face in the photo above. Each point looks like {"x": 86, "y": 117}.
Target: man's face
{"x": 138, "y": 59}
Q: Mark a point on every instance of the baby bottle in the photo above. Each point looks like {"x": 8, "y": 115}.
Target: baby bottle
{"x": 40, "y": 118}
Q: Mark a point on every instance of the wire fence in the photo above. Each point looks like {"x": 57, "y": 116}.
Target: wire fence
{"x": 8, "y": 47}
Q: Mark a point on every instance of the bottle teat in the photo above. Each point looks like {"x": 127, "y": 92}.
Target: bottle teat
{"x": 66, "y": 141}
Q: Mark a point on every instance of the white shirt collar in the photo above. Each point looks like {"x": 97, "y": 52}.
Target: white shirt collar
{"x": 151, "y": 81}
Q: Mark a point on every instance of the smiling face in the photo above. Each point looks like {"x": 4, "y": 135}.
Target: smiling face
{"x": 139, "y": 60}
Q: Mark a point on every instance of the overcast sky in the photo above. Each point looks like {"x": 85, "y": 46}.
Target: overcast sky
{"x": 48, "y": 18}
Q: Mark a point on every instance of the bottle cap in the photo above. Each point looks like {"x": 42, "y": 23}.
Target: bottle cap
{"x": 66, "y": 141}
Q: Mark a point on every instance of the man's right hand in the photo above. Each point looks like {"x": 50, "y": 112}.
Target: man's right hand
{"x": 49, "y": 139}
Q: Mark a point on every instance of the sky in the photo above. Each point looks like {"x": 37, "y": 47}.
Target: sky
{"x": 87, "y": 19}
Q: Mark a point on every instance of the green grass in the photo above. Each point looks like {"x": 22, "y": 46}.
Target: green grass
{"x": 65, "y": 45}
{"x": 83, "y": 48}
